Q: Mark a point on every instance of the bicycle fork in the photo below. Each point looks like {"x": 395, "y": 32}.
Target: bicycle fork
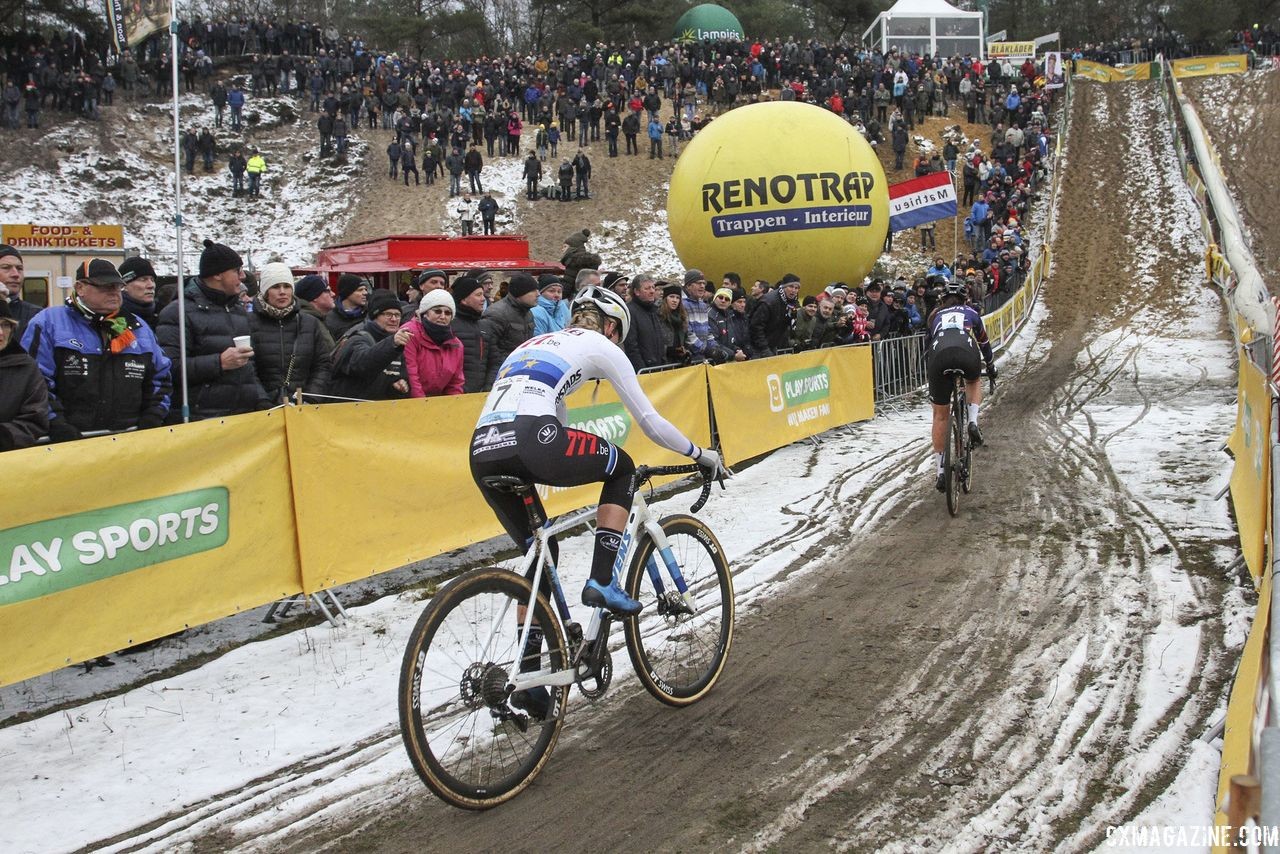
{"x": 680, "y": 600}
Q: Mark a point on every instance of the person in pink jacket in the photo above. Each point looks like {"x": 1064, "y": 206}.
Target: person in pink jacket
{"x": 433, "y": 356}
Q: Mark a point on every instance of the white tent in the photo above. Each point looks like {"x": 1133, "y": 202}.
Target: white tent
{"x": 932, "y": 27}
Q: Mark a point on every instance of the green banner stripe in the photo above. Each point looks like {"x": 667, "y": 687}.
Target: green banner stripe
{"x": 806, "y": 385}
{"x": 58, "y": 554}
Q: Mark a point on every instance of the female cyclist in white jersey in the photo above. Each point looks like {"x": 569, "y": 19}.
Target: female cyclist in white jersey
{"x": 523, "y": 431}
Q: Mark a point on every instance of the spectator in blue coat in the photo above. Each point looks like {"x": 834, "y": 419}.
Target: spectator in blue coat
{"x": 103, "y": 366}
{"x": 551, "y": 313}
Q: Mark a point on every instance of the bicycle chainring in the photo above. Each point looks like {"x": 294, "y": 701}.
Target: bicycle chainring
{"x": 594, "y": 677}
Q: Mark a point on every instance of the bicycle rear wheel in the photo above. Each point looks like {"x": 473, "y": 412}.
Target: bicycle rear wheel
{"x": 464, "y": 739}
{"x": 955, "y": 449}
{"x": 679, "y": 645}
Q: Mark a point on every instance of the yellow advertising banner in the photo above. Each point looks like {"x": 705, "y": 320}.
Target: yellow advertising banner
{"x": 113, "y": 541}
{"x": 364, "y": 507}
{"x": 62, "y": 238}
{"x": 1202, "y": 66}
{"x": 1251, "y": 472}
{"x": 1242, "y": 708}
{"x": 1107, "y": 74}
{"x": 1010, "y": 50}
{"x": 767, "y": 403}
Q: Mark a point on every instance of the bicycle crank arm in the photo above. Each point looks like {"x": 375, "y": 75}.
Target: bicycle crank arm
{"x": 524, "y": 681}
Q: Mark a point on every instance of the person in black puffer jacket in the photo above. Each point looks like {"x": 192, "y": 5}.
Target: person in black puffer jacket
{"x": 24, "y": 395}
{"x": 644, "y": 345}
{"x": 368, "y": 363}
{"x": 291, "y": 349}
{"x": 220, "y": 378}
{"x": 468, "y": 294}
{"x": 509, "y": 322}
{"x": 576, "y": 258}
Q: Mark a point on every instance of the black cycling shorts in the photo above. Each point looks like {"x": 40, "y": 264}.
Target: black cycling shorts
{"x": 963, "y": 358}
{"x": 542, "y": 450}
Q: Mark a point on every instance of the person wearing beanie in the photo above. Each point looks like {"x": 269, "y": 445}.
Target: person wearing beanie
{"x": 218, "y": 258}
{"x": 508, "y": 323}
{"x": 349, "y": 310}
{"x": 577, "y": 258}
{"x": 771, "y": 321}
{"x": 701, "y": 341}
{"x": 24, "y": 395}
{"x": 291, "y": 349}
{"x": 219, "y": 376}
{"x": 430, "y": 280}
{"x": 730, "y": 344}
{"x": 551, "y": 312}
{"x": 315, "y": 298}
{"x": 11, "y": 279}
{"x": 433, "y": 356}
{"x": 140, "y": 289}
{"x": 619, "y": 283}
{"x": 469, "y": 298}
{"x": 368, "y": 363}
{"x": 104, "y": 367}
{"x": 488, "y": 281}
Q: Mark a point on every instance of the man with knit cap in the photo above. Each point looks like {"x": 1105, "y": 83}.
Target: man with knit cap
{"x": 368, "y": 363}
{"x": 577, "y": 257}
{"x": 103, "y": 366}
{"x": 468, "y": 295}
{"x": 219, "y": 376}
{"x": 11, "y": 278}
{"x": 140, "y": 289}
{"x": 432, "y": 280}
{"x": 509, "y": 322}
{"x": 315, "y": 298}
{"x": 353, "y": 296}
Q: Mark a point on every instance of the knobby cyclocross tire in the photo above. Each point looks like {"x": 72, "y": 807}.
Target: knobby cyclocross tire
{"x": 458, "y": 729}
{"x": 679, "y": 656}
{"x": 955, "y": 449}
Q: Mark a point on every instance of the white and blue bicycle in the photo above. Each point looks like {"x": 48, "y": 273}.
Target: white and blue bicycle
{"x": 474, "y": 652}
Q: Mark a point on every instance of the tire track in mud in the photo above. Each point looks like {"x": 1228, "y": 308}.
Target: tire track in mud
{"x": 925, "y": 682}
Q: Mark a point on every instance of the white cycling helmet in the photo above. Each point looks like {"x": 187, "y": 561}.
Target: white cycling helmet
{"x": 608, "y": 304}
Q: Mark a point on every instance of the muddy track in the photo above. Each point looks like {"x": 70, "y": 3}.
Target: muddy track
{"x": 923, "y": 682}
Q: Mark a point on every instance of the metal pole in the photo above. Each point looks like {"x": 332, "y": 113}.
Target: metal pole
{"x": 177, "y": 211}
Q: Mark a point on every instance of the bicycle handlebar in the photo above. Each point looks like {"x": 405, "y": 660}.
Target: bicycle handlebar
{"x": 645, "y": 473}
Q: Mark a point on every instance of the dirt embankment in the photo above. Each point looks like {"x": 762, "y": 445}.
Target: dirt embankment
{"x": 1242, "y": 115}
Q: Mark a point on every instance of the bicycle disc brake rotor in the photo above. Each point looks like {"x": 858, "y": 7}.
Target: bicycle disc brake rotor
{"x": 594, "y": 681}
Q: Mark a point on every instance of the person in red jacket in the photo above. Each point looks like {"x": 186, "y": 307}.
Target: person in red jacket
{"x": 433, "y": 355}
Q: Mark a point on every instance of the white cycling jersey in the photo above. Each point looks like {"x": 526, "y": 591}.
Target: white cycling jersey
{"x": 540, "y": 373}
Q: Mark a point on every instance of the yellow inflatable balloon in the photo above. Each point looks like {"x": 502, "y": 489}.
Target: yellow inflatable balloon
{"x": 776, "y": 188}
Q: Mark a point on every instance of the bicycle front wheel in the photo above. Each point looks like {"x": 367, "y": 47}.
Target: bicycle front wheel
{"x": 679, "y": 644}
{"x": 464, "y": 739}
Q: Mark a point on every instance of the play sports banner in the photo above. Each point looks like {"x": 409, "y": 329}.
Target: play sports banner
{"x": 1251, "y": 472}
{"x": 113, "y": 541}
{"x": 1202, "y": 66}
{"x": 764, "y": 404}
{"x": 367, "y": 506}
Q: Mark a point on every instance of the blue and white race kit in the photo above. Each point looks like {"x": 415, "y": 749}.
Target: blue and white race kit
{"x": 523, "y": 428}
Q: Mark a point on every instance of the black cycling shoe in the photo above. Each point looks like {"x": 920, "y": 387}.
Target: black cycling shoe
{"x": 941, "y": 483}
{"x": 535, "y": 701}
{"x": 975, "y": 435}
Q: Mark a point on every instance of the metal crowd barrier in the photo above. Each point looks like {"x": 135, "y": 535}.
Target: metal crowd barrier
{"x": 898, "y": 367}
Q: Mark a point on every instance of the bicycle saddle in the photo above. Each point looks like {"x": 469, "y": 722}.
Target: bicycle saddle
{"x": 507, "y": 483}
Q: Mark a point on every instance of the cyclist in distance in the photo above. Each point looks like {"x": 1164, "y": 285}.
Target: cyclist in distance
{"x": 522, "y": 431}
{"x": 957, "y": 339}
